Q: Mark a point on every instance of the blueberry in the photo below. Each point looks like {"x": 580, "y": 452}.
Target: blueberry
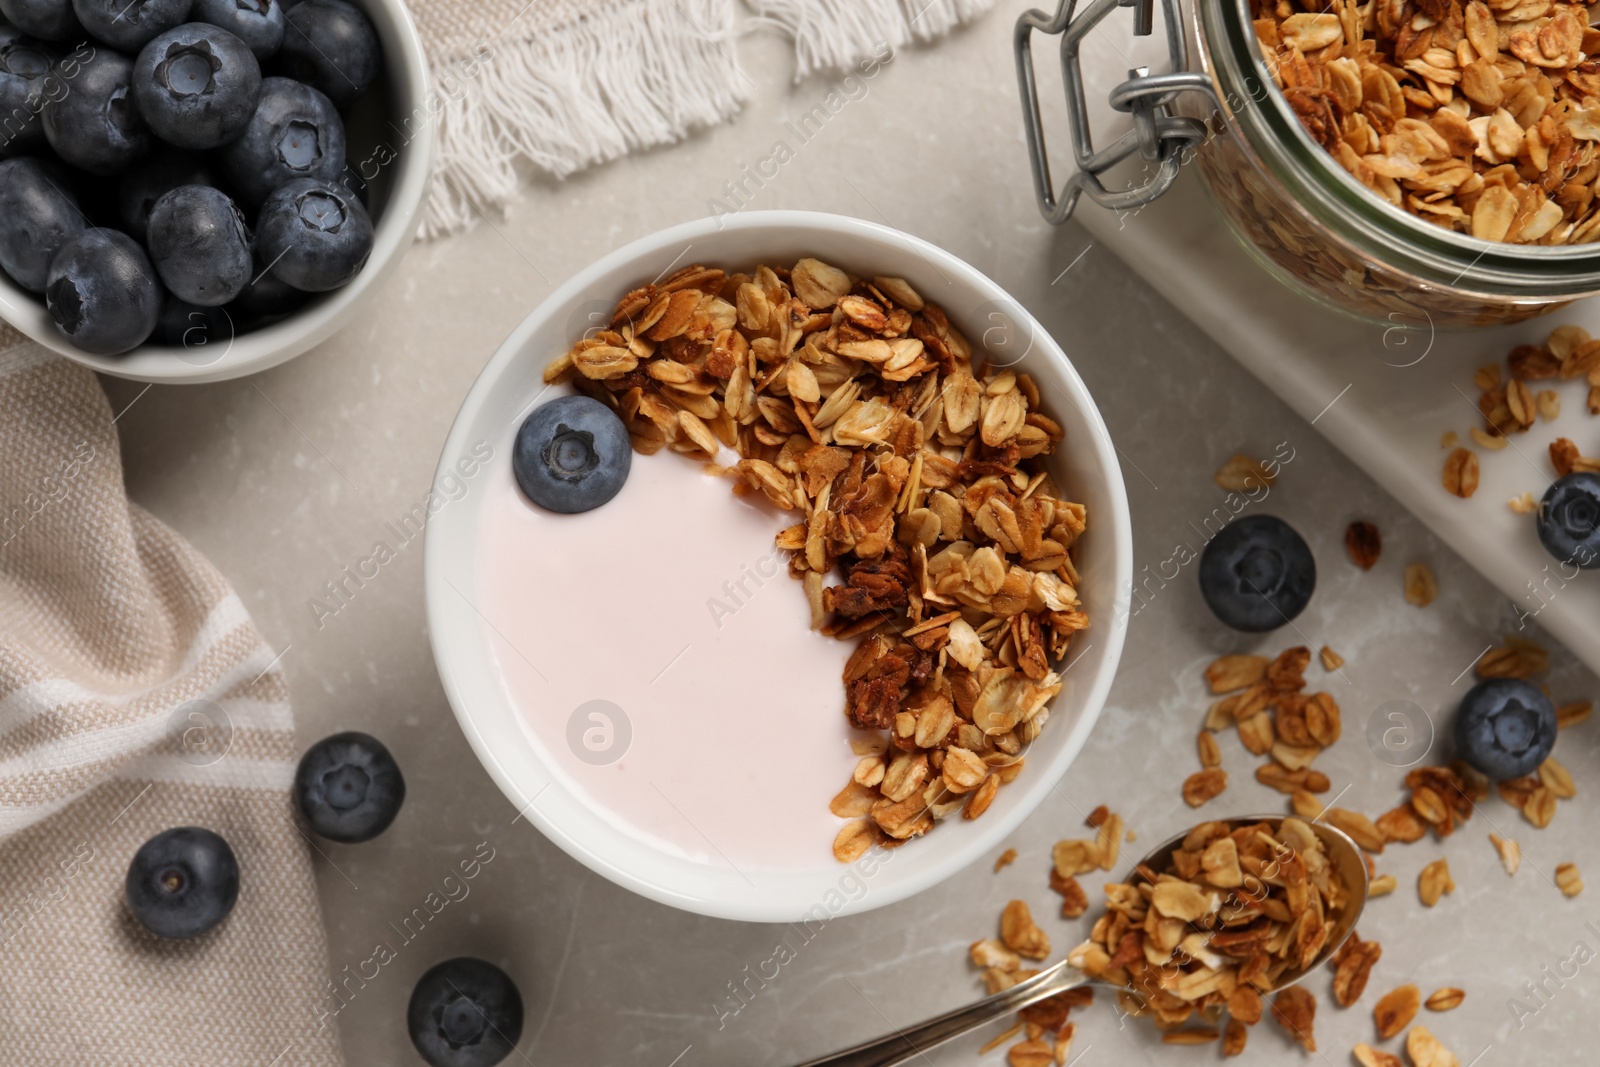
{"x": 37, "y": 217}
{"x": 1505, "y": 727}
{"x": 95, "y": 125}
{"x": 1257, "y": 574}
{"x": 102, "y": 292}
{"x": 201, "y": 245}
{"x": 197, "y": 86}
{"x": 294, "y": 133}
{"x": 1569, "y": 519}
{"x": 349, "y": 788}
{"x": 464, "y": 1012}
{"x": 129, "y": 25}
{"x": 330, "y": 45}
{"x": 182, "y": 882}
{"x": 571, "y": 454}
{"x": 48, "y": 20}
{"x": 316, "y": 234}
{"x": 185, "y": 325}
{"x": 140, "y": 188}
{"x": 258, "y": 23}
{"x": 25, "y": 64}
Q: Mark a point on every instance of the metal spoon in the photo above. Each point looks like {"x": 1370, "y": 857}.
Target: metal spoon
{"x": 915, "y": 1040}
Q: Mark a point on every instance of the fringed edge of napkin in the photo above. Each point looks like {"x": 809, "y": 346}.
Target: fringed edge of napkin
{"x": 631, "y": 77}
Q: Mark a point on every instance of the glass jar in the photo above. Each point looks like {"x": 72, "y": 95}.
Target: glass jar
{"x": 1298, "y": 212}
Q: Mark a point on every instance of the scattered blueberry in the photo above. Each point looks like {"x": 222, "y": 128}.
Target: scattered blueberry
{"x": 25, "y": 63}
{"x": 464, "y": 1012}
{"x": 1257, "y": 574}
{"x": 200, "y": 245}
{"x": 349, "y": 788}
{"x": 130, "y": 24}
{"x": 1505, "y": 727}
{"x": 182, "y": 882}
{"x": 572, "y": 454}
{"x": 197, "y": 86}
{"x": 37, "y": 217}
{"x": 330, "y": 45}
{"x": 95, "y": 125}
{"x": 258, "y": 23}
{"x": 266, "y": 299}
{"x": 102, "y": 292}
{"x": 1569, "y": 519}
{"x": 294, "y": 133}
{"x": 140, "y": 188}
{"x": 316, "y": 234}
{"x": 185, "y": 325}
{"x": 48, "y": 20}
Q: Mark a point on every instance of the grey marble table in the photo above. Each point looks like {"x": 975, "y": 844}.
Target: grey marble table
{"x": 284, "y": 479}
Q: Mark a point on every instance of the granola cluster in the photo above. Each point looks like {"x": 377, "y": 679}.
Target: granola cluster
{"x": 1482, "y": 118}
{"x": 928, "y": 528}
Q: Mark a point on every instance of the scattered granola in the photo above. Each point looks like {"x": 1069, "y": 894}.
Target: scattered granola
{"x": 1426, "y": 1051}
{"x": 1510, "y": 852}
{"x": 1517, "y": 658}
{"x": 1352, "y": 967}
{"x": 1382, "y": 885}
{"x": 1568, "y": 880}
{"x": 1241, "y": 474}
{"x": 1523, "y": 504}
{"x": 1005, "y": 859}
{"x": 1447, "y": 999}
{"x": 1204, "y": 785}
{"x": 1420, "y": 585}
{"x": 1572, "y": 714}
{"x": 1434, "y": 881}
{"x": 1331, "y": 660}
{"x": 1363, "y": 543}
{"x": 1461, "y": 473}
{"x": 914, "y": 467}
{"x": 1395, "y": 1010}
{"x": 1368, "y": 1056}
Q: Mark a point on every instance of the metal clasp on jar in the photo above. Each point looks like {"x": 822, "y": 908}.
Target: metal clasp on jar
{"x": 1161, "y": 138}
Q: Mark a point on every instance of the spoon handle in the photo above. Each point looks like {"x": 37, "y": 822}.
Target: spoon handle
{"x": 915, "y": 1040}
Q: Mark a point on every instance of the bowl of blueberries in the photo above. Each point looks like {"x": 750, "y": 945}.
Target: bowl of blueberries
{"x": 196, "y": 190}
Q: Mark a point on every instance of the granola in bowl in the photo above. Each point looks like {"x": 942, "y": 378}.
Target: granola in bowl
{"x": 928, "y": 530}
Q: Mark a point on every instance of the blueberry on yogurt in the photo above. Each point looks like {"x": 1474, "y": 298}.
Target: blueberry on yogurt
{"x": 1505, "y": 727}
{"x": 571, "y": 455}
{"x": 1257, "y": 573}
{"x": 197, "y": 86}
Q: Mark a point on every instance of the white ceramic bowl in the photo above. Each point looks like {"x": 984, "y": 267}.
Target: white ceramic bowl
{"x": 397, "y": 186}
{"x": 1086, "y": 467}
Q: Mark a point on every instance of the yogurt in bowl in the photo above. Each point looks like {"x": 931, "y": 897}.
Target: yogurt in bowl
{"x": 642, "y": 680}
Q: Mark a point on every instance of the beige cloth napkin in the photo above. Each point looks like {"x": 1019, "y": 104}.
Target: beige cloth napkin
{"x": 560, "y": 85}
{"x": 135, "y": 695}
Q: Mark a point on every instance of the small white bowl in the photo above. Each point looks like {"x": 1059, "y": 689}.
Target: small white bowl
{"x": 1086, "y": 467}
{"x": 390, "y": 141}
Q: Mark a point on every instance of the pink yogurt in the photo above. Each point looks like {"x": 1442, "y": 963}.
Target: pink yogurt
{"x": 671, "y": 604}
